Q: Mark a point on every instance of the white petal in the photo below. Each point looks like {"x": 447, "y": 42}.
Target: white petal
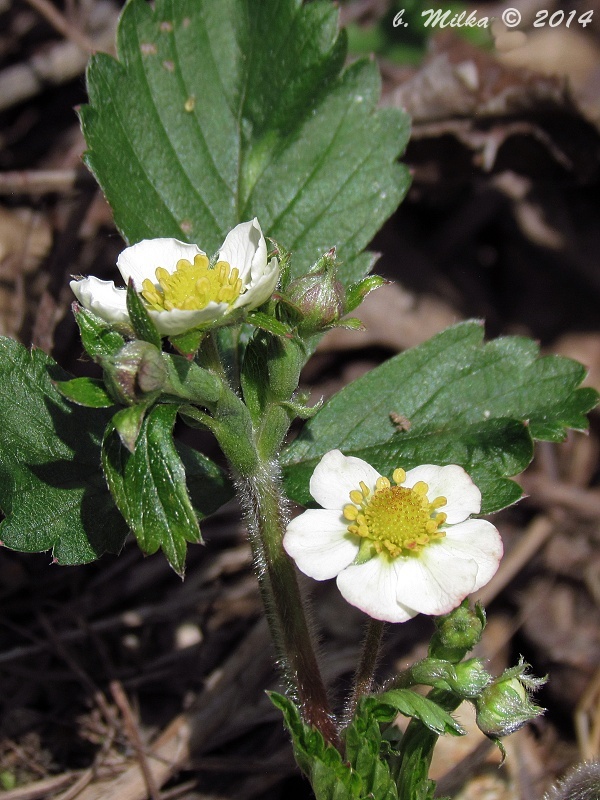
{"x": 319, "y": 543}
{"x": 372, "y": 588}
{"x": 478, "y": 540}
{"x": 434, "y": 582}
{"x": 245, "y": 248}
{"x": 261, "y": 286}
{"x": 102, "y": 297}
{"x": 336, "y": 475}
{"x": 179, "y": 320}
{"x": 451, "y": 482}
{"x": 141, "y": 260}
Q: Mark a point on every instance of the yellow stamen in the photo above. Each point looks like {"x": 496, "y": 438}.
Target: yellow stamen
{"x": 397, "y": 521}
{"x": 399, "y": 475}
{"x": 191, "y": 287}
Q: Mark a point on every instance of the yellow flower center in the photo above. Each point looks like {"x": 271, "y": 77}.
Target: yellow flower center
{"x": 191, "y": 287}
{"x": 394, "y": 519}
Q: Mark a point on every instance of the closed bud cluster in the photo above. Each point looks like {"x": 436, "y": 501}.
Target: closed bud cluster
{"x": 504, "y": 706}
{"x": 318, "y": 295}
{"x": 135, "y": 372}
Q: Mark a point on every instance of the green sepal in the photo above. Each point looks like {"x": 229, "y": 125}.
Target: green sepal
{"x": 128, "y": 423}
{"x": 350, "y": 323}
{"x": 188, "y": 343}
{"x": 143, "y": 325}
{"x": 89, "y": 392}
{"x": 268, "y": 323}
{"x": 149, "y": 487}
{"x": 356, "y": 292}
{"x": 188, "y": 381}
{"x": 99, "y": 339}
{"x": 298, "y": 409}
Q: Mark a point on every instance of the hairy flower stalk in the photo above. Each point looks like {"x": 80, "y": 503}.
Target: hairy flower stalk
{"x": 266, "y": 517}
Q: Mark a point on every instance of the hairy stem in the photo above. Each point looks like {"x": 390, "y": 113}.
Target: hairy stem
{"x": 266, "y": 518}
{"x": 365, "y": 672}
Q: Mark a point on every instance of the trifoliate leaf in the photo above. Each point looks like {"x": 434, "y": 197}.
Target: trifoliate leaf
{"x": 452, "y": 400}
{"x": 51, "y": 487}
{"x": 221, "y": 110}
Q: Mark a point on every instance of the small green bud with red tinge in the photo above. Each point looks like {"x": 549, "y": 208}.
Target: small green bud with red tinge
{"x": 505, "y": 706}
{"x": 136, "y": 372}
{"x": 319, "y": 296}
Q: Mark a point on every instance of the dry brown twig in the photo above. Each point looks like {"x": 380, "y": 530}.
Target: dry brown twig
{"x": 63, "y": 25}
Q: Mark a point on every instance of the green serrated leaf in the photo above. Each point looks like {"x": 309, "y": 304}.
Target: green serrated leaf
{"x": 98, "y": 338}
{"x": 364, "y": 751}
{"x": 89, "y": 392}
{"x": 199, "y": 126}
{"x": 330, "y": 777}
{"x": 150, "y": 490}
{"x": 459, "y": 402}
{"x": 51, "y": 487}
{"x": 143, "y": 326}
{"x": 149, "y": 486}
{"x": 411, "y": 704}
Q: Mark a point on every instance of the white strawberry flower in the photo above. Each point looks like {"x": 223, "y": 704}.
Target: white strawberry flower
{"x": 180, "y": 288}
{"x": 397, "y": 548}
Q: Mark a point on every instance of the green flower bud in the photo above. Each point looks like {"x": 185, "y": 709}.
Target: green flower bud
{"x": 504, "y": 706}
{"x": 457, "y": 633}
{"x": 135, "y": 372}
{"x": 472, "y": 677}
{"x": 318, "y": 295}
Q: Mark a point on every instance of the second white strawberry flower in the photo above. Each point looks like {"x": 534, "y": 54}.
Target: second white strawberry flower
{"x": 396, "y": 547}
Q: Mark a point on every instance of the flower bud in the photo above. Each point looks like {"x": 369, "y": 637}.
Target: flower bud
{"x": 457, "y": 633}
{"x": 504, "y": 706}
{"x": 318, "y": 295}
{"x": 472, "y": 677}
{"x": 136, "y": 371}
